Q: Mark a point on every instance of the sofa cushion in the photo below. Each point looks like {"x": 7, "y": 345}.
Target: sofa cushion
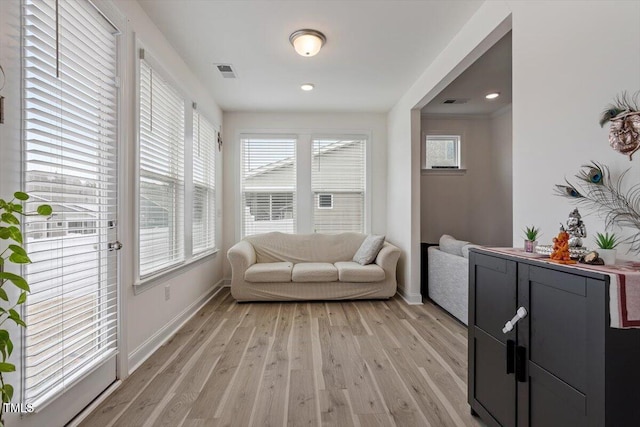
{"x": 269, "y": 272}
{"x": 349, "y": 271}
{"x": 368, "y": 250}
{"x": 314, "y": 272}
{"x": 451, "y": 245}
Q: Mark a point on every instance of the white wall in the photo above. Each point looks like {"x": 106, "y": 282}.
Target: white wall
{"x": 146, "y": 314}
{"x": 502, "y": 184}
{"x": 235, "y": 123}
{"x": 472, "y": 204}
{"x": 565, "y": 71}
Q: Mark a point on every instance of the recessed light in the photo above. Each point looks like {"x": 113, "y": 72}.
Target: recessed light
{"x": 307, "y": 87}
{"x": 492, "y": 95}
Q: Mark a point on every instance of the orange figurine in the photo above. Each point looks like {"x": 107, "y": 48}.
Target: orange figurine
{"x": 560, "y": 252}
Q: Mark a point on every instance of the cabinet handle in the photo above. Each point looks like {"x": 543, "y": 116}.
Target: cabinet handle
{"x": 511, "y": 356}
{"x": 520, "y": 314}
{"x": 521, "y": 360}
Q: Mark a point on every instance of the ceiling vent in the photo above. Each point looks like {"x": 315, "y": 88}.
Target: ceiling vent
{"x": 226, "y": 70}
{"x": 456, "y": 101}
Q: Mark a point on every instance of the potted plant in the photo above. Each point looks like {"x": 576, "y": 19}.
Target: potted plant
{"x": 607, "y": 247}
{"x": 531, "y": 238}
{"x": 12, "y": 252}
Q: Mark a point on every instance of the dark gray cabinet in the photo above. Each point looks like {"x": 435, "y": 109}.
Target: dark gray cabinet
{"x": 561, "y": 365}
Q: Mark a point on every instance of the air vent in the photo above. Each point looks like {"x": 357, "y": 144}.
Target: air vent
{"x": 456, "y": 101}
{"x": 226, "y": 70}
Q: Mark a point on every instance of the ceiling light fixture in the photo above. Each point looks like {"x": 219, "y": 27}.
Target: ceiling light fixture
{"x": 307, "y": 86}
{"x": 307, "y": 42}
{"x": 492, "y": 95}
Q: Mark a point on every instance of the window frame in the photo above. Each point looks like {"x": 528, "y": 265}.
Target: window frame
{"x": 457, "y": 139}
{"x": 304, "y": 203}
{"x": 146, "y": 282}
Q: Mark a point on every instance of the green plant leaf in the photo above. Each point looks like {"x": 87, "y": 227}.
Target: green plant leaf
{"x": 3, "y": 350}
{"x": 19, "y": 259}
{"x": 15, "y": 234}
{"x": 21, "y": 196}
{"x": 13, "y": 315}
{"x": 16, "y": 280}
{"x": 7, "y": 367}
{"x": 1, "y": 261}
{"x": 9, "y": 346}
{"x": 4, "y": 334}
{"x": 5, "y": 233}
{"x": 16, "y": 207}
{"x": 9, "y": 218}
{"x": 22, "y": 298}
{"x": 8, "y": 389}
{"x": 18, "y": 250}
{"x": 4, "y": 296}
{"x": 45, "y": 210}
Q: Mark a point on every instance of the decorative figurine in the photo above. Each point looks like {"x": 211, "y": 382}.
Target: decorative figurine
{"x": 576, "y": 229}
{"x": 560, "y": 252}
{"x": 592, "y": 258}
{"x": 624, "y": 129}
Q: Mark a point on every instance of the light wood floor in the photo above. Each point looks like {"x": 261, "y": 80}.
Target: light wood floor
{"x": 364, "y": 363}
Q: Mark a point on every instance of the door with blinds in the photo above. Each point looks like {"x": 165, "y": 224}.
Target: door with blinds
{"x": 70, "y": 151}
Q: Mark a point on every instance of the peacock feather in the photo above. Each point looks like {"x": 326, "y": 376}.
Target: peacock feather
{"x": 623, "y": 103}
{"x": 596, "y": 191}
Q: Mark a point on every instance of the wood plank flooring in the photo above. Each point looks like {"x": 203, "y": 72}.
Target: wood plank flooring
{"x": 357, "y": 363}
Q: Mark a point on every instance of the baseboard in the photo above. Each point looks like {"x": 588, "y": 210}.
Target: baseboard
{"x": 93, "y": 405}
{"x": 226, "y": 283}
{"x": 147, "y": 348}
{"x": 411, "y": 299}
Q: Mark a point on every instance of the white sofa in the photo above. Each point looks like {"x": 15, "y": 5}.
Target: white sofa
{"x": 279, "y": 267}
{"x": 448, "y": 272}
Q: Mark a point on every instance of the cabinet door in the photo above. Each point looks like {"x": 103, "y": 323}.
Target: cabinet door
{"x": 492, "y": 301}
{"x": 560, "y": 336}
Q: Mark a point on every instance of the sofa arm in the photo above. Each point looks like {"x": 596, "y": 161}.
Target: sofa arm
{"x": 388, "y": 259}
{"x": 241, "y": 256}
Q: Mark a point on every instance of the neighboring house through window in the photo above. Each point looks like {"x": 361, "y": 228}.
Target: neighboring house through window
{"x": 442, "y": 152}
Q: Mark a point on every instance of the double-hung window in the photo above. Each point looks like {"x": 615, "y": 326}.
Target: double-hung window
{"x": 268, "y": 184}
{"x": 161, "y": 171}
{"x": 204, "y": 184}
{"x": 338, "y": 184}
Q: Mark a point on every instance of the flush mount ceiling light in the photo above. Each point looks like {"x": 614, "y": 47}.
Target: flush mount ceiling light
{"x": 307, "y": 86}
{"x": 307, "y": 42}
{"x": 492, "y": 95}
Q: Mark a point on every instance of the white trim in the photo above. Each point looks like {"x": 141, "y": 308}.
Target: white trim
{"x": 94, "y": 405}
{"x": 138, "y": 356}
{"x": 444, "y": 171}
{"x": 411, "y": 299}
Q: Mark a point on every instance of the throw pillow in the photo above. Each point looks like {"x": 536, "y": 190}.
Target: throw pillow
{"x": 369, "y": 249}
{"x": 451, "y": 245}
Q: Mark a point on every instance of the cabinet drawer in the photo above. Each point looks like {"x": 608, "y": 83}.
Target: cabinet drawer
{"x": 494, "y": 291}
{"x": 558, "y": 324}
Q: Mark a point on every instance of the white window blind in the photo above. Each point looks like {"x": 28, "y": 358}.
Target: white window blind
{"x": 268, "y": 184}
{"x": 161, "y": 164}
{"x": 338, "y": 184}
{"x": 204, "y": 184}
{"x": 70, "y": 136}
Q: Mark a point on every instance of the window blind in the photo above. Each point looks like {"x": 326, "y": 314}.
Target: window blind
{"x": 338, "y": 184}
{"x": 268, "y": 184}
{"x": 204, "y": 184}
{"x": 161, "y": 165}
{"x": 70, "y": 143}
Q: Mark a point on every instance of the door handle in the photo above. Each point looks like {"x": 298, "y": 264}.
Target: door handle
{"x": 114, "y": 246}
{"x": 520, "y": 314}
{"x": 511, "y": 356}
{"x": 521, "y": 361}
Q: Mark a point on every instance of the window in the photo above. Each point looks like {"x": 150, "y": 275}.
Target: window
{"x": 442, "y": 152}
{"x": 70, "y": 128}
{"x": 161, "y": 164}
{"x": 325, "y": 201}
{"x": 338, "y": 184}
{"x": 268, "y": 184}
{"x": 204, "y": 184}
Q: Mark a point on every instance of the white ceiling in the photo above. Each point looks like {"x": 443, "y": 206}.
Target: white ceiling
{"x": 490, "y": 73}
{"x": 375, "y": 50}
